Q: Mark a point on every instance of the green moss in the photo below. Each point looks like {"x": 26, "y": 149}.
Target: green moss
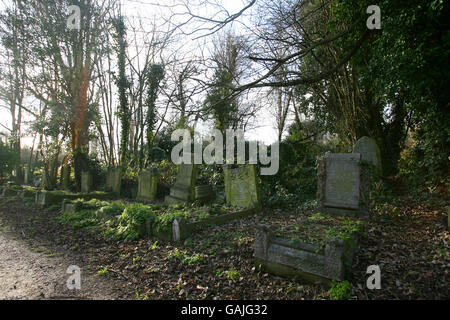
{"x": 339, "y": 290}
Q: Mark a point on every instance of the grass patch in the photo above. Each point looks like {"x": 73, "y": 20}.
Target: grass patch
{"x": 79, "y": 219}
{"x": 103, "y": 271}
{"x": 316, "y": 228}
{"x": 184, "y": 257}
{"x": 231, "y": 274}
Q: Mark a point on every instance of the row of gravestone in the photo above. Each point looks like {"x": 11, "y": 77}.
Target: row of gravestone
{"x": 241, "y": 185}
{"x": 343, "y": 182}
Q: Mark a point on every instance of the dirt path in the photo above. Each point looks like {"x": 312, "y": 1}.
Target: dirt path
{"x": 30, "y": 273}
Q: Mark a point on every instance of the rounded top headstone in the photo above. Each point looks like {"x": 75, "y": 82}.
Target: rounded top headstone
{"x": 369, "y": 150}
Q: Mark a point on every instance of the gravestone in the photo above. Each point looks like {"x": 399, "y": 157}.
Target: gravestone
{"x": 19, "y": 175}
{"x": 342, "y": 189}
{"x": 370, "y": 153}
{"x": 183, "y": 190}
{"x": 44, "y": 181}
{"x": 113, "y": 179}
{"x": 86, "y": 182}
{"x": 66, "y": 177}
{"x": 148, "y": 182}
{"x": 26, "y": 176}
{"x": 241, "y": 186}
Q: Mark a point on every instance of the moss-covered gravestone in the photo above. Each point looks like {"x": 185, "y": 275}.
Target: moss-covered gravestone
{"x": 86, "y": 182}
{"x": 148, "y": 182}
{"x": 241, "y": 186}
{"x": 113, "y": 179}
{"x": 183, "y": 190}
{"x": 342, "y": 187}
{"x": 370, "y": 153}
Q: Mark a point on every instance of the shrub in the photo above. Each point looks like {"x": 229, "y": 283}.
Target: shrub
{"x": 164, "y": 221}
{"x": 132, "y": 217}
{"x": 113, "y": 209}
{"x": 80, "y": 219}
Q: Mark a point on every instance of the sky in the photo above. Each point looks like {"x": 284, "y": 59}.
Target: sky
{"x": 148, "y": 9}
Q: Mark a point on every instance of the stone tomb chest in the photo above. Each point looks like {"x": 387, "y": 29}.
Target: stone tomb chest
{"x": 342, "y": 188}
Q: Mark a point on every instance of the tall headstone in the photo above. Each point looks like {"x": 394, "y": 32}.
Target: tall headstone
{"x": 183, "y": 190}
{"x": 19, "y": 175}
{"x": 241, "y": 186}
{"x": 26, "y": 175}
{"x": 44, "y": 184}
{"x": 66, "y": 177}
{"x": 148, "y": 182}
{"x": 114, "y": 179}
{"x": 342, "y": 188}
{"x": 370, "y": 152}
{"x": 86, "y": 182}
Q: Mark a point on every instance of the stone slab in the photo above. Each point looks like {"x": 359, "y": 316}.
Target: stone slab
{"x": 87, "y": 182}
{"x": 147, "y": 188}
{"x": 241, "y": 186}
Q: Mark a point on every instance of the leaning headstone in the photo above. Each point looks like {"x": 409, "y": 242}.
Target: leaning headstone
{"x": 86, "y": 182}
{"x": 241, "y": 186}
{"x": 370, "y": 152}
{"x": 114, "y": 179}
{"x": 183, "y": 190}
{"x": 342, "y": 189}
{"x": 148, "y": 181}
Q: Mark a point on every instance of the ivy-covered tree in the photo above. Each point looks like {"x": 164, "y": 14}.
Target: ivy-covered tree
{"x": 154, "y": 78}
{"x": 122, "y": 85}
{"x": 9, "y": 158}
